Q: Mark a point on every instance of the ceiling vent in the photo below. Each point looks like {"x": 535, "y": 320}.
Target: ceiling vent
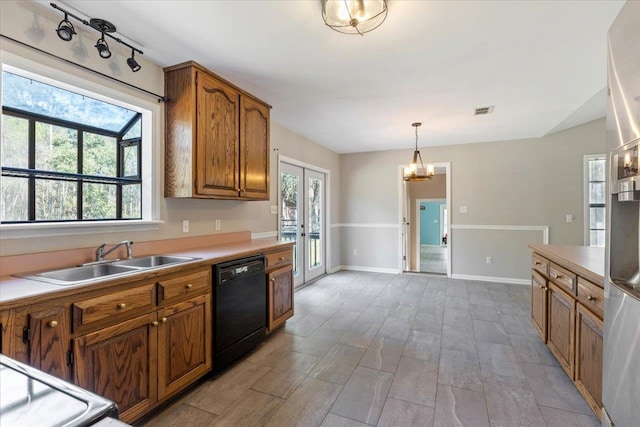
{"x": 483, "y": 110}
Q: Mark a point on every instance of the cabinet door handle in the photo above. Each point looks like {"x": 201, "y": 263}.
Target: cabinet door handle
{"x": 558, "y": 276}
{"x": 122, "y": 305}
{"x": 163, "y": 320}
{"x": 238, "y": 190}
{"x": 154, "y": 323}
{"x": 273, "y": 279}
{"x": 244, "y": 190}
{"x": 282, "y": 258}
{"x": 52, "y": 324}
{"x": 591, "y": 298}
{"x": 189, "y": 286}
{"x": 538, "y": 263}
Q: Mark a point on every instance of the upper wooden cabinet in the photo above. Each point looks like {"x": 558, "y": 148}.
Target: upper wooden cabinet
{"x": 217, "y": 137}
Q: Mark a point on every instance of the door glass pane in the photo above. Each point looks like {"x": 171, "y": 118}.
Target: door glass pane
{"x": 315, "y": 222}
{"x": 290, "y": 216}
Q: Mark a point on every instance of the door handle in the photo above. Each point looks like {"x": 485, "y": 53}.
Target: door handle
{"x": 303, "y": 234}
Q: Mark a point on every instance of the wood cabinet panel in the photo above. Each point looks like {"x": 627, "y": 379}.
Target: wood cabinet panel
{"x": 588, "y": 365}
{"x": 563, "y": 278}
{"x": 540, "y": 264}
{"x": 120, "y": 363}
{"x": 539, "y": 304}
{"x": 184, "y": 344}
{"x": 217, "y": 153}
{"x": 591, "y": 296}
{"x": 183, "y": 286}
{"x": 49, "y": 341}
{"x": 280, "y": 296}
{"x": 561, "y": 327}
{"x": 278, "y": 259}
{"x": 114, "y": 307}
{"x": 254, "y": 149}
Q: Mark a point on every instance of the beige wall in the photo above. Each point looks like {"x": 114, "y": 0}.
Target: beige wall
{"x": 35, "y": 24}
{"x": 529, "y": 182}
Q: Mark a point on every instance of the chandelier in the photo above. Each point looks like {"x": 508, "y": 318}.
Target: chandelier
{"x": 354, "y": 16}
{"x": 415, "y": 171}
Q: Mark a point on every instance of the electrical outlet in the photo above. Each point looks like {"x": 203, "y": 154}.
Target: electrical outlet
{"x": 218, "y": 225}
{"x": 274, "y": 210}
{"x": 185, "y": 225}
{"x": 463, "y": 209}
{"x": 355, "y": 252}
{"x": 569, "y": 218}
{"x": 489, "y": 260}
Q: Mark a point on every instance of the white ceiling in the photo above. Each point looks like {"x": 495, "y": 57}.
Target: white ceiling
{"x": 541, "y": 63}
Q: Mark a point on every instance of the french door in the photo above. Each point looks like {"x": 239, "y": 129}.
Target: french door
{"x": 302, "y": 219}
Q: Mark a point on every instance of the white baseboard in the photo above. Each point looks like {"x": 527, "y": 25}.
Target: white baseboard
{"x": 368, "y": 269}
{"x": 334, "y": 269}
{"x": 492, "y": 279}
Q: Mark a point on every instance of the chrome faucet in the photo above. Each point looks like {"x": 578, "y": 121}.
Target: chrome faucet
{"x": 100, "y": 253}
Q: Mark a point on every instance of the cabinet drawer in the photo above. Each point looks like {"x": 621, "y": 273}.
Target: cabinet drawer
{"x": 563, "y": 278}
{"x": 591, "y": 296}
{"x": 280, "y": 258}
{"x": 540, "y": 264}
{"x": 183, "y": 286}
{"x": 115, "y": 307}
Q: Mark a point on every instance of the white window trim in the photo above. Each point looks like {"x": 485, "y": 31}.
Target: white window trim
{"x": 585, "y": 201}
{"x": 151, "y": 155}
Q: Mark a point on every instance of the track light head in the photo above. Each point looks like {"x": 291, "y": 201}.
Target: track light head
{"x": 132, "y": 63}
{"x": 103, "y": 48}
{"x": 65, "y": 29}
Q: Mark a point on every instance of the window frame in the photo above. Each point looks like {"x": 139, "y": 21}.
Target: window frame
{"x": 586, "y": 181}
{"x": 71, "y": 79}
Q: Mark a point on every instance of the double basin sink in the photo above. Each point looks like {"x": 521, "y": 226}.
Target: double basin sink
{"x": 94, "y": 272}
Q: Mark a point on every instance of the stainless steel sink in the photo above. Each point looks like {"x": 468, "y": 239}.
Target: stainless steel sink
{"x": 82, "y": 274}
{"x": 89, "y": 273}
{"x": 153, "y": 261}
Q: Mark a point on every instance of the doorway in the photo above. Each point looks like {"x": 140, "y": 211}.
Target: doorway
{"x": 302, "y": 193}
{"x": 434, "y": 254}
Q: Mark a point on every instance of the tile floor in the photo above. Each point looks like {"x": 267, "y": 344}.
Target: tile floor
{"x": 433, "y": 259}
{"x": 393, "y": 350}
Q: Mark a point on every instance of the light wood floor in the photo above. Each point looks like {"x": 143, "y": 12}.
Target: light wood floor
{"x": 393, "y": 350}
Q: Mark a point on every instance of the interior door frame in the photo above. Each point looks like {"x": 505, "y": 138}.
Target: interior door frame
{"x": 403, "y": 212}
{"x": 417, "y": 236}
{"x": 327, "y": 203}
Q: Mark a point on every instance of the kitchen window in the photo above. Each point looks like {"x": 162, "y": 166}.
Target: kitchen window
{"x": 595, "y": 200}
{"x": 69, "y": 156}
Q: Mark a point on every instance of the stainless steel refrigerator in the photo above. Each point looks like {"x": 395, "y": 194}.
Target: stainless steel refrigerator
{"x": 621, "y": 359}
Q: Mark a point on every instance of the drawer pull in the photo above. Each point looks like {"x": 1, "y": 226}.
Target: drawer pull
{"x": 538, "y": 263}
{"x": 591, "y": 298}
{"x": 273, "y": 279}
{"x": 163, "y": 320}
{"x": 122, "y": 305}
{"x": 52, "y": 324}
{"x": 558, "y": 276}
{"x": 282, "y": 258}
{"x": 154, "y": 323}
{"x": 541, "y": 286}
{"x": 189, "y": 286}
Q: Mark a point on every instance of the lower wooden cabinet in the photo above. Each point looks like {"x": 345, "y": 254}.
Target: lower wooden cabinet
{"x": 280, "y": 283}
{"x": 184, "y": 344}
{"x": 48, "y": 338}
{"x": 539, "y": 304}
{"x": 588, "y": 366}
{"x": 120, "y": 363}
{"x": 561, "y": 333}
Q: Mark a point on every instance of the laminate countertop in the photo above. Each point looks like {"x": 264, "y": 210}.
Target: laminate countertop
{"x": 17, "y": 291}
{"x": 586, "y": 261}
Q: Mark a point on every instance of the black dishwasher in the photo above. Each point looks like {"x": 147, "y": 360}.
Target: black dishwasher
{"x": 240, "y": 308}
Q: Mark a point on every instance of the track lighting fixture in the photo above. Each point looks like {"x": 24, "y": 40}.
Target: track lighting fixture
{"x": 103, "y": 48}
{"x": 105, "y": 28}
{"x": 132, "y": 63}
{"x": 65, "y": 29}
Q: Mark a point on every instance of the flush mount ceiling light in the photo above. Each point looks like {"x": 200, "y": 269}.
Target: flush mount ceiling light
{"x": 105, "y": 28}
{"x": 65, "y": 29}
{"x": 132, "y": 63}
{"x": 354, "y": 16}
{"x": 415, "y": 171}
